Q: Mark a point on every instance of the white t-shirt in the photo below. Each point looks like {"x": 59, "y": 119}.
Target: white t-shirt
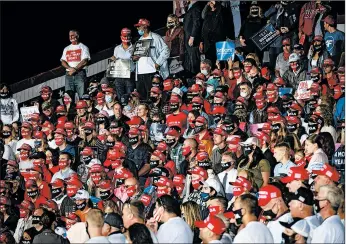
{"x": 313, "y": 222}
{"x": 74, "y": 54}
{"x": 330, "y": 231}
{"x": 22, "y": 141}
{"x": 98, "y": 239}
{"x": 117, "y": 238}
{"x": 254, "y": 232}
{"x": 276, "y": 228}
{"x": 175, "y": 230}
{"x": 62, "y": 175}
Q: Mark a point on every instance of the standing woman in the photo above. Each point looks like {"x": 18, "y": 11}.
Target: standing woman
{"x": 313, "y": 147}
{"x": 175, "y": 37}
{"x": 9, "y": 135}
{"x": 9, "y": 112}
{"x": 190, "y": 213}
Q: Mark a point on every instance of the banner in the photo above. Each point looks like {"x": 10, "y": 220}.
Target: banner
{"x": 175, "y": 66}
{"x": 265, "y": 36}
{"x": 119, "y": 68}
{"x": 141, "y": 48}
{"x": 225, "y": 50}
{"x": 303, "y": 91}
{"x": 285, "y": 90}
{"x": 27, "y": 112}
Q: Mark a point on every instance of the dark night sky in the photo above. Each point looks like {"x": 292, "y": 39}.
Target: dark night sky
{"x": 34, "y": 34}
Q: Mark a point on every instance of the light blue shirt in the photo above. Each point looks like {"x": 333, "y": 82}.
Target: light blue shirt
{"x": 281, "y": 168}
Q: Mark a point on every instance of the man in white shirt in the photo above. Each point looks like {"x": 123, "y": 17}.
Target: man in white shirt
{"x": 274, "y": 210}
{"x": 228, "y": 174}
{"x": 174, "y": 229}
{"x": 74, "y": 59}
{"x": 94, "y": 223}
{"x": 156, "y": 61}
{"x": 26, "y": 132}
{"x": 113, "y": 228}
{"x": 245, "y": 213}
{"x": 64, "y": 165}
{"x": 282, "y": 156}
{"x": 211, "y": 229}
{"x": 332, "y": 230}
{"x": 301, "y": 206}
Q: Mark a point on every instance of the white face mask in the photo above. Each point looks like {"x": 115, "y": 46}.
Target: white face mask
{"x": 244, "y": 94}
{"x": 108, "y": 98}
{"x": 204, "y": 72}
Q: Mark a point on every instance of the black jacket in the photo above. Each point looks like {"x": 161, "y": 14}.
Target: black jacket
{"x": 193, "y": 23}
{"x": 140, "y": 155}
{"x": 48, "y": 236}
{"x": 272, "y": 161}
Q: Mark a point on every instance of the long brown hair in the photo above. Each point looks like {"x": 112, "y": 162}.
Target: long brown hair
{"x": 191, "y": 213}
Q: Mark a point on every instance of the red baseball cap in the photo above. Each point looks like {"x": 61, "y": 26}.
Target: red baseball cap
{"x": 258, "y": 95}
{"x": 123, "y": 174}
{"x": 38, "y": 134}
{"x": 142, "y": 22}
{"x": 87, "y": 151}
{"x": 159, "y": 154}
{"x": 89, "y": 125}
{"x": 48, "y": 125}
{"x": 220, "y": 131}
{"x": 27, "y": 205}
{"x": 60, "y": 131}
{"x": 178, "y": 180}
{"x": 201, "y": 119}
{"x": 135, "y": 120}
{"x": 174, "y": 99}
{"x": 318, "y": 38}
{"x": 279, "y": 81}
{"x": 198, "y": 100}
{"x": 173, "y": 132}
{"x": 105, "y": 184}
{"x": 155, "y": 90}
{"x": 218, "y": 110}
{"x": 262, "y": 136}
{"x": 164, "y": 181}
{"x": 186, "y": 150}
{"x": 273, "y": 110}
{"x": 200, "y": 76}
{"x": 195, "y": 88}
{"x": 60, "y": 109}
{"x": 272, "y": 87}
{"x": 219, "y": 94}
{"x": 199, "y": 171}
{"x": 293, "y": 120}
{"x": 145, "y": 199}
{"x": 328, "y": 61}
{"x": 69, "y": 125}
{"x": 35, "y": 117}
{"x": 201, "y": 156}
{"x": 295, "y": 173}
{"x": 329, "y": 171}
{"x": 100, "y": 95}
{"x": 329, "y": 20}
{"x": 296, "y": 106}
{"x": 162, "y": 146}
{"x": 268, "y": 193}
{"x": 286, "y": 41}
{"x": 134, "y": 131}
{"x": 213, "y": 223}
{"x": 30, "y": 183}
{"x": 234, "y": 140}
{"x": 96, "y": 168}
{"x": 81, "y": 104}
{"x": 58, "y": 183}
{"x": 25, "y": 146}
{"x": 72, "y": 189}
{"x": 168, "y": 85}
{"x": 242, "y": 182}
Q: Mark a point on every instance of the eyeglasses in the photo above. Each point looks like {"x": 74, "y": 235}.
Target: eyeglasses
{"x": 128, "y": 186}
{"x": 286, "y": 45}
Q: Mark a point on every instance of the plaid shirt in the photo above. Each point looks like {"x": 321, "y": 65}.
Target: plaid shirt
{"x": 177, "y": 156}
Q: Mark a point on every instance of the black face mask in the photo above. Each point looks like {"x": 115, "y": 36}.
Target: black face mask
{"x": 170, "y": 142}
{"x": 154, "y": 163}
{"x": 25, "y": 241}
{"x": 189, "y": 97}
{"x": 104, "y": 195}
{"x": 133, "y": 140}
{"x": 86, "y": 159}
{"x": 120, "y": 182}
{"x": 239, "y": 107}
{"x": 154, "y": 99}
{"x": 225, "y": 165}
{"x": 315, "y": 78}
{"x": 204, "y": 164}
{"x": 199, "y": 128}
{"x": 81, "y": 206}
{"x": 311, "y": 105}
{"x": 100, "y": 120}
{"x": 56, "y": 192}
{"x": 276, "y": 127}
{"x": 170, "y": 25}
{"x": 174, "y": 107}
{"x": 238, "y": 216}
{"x": 229, "y": 128}
{"x": 292, "y": 128}
{"x": 4, "y": 94}
{"x": 317, "y": 47}
{"x": 286, "y": 105}
{"x": 312, "y": 127}
{"x": 288, "y": 239}
{"x": 155, "y": 180}
{"x": 217, "y": 104}
{"x": 32, "y": 194}
{"x": 110, "y": 143}
{"x": 36, "y": 219}
{"x": 156, "y": 84}
{"x": 316, "y": 205}
{"x": 247, "y": 150}
{"x": 217, "y": 118}
{"x": 196, "y": 107}
{"x": 87, "y": 132}
{"x": 269, "y": 214}
{"x": 6, "y": 134}
{"x": 292, "y": 113}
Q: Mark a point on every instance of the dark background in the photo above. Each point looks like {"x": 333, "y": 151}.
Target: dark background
{"x": 34, "y": 34}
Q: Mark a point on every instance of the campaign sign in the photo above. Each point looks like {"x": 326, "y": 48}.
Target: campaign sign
{"x": 303, "y": 91}
{"x": 265, "y": 36}
{"x": 119, "y": 68}
{"x": 175, "y": 66}
{"x": 285, "y": 90}
{"x": 141, "y": 48}
{"x": 225, "y": 50}
{"x": 27, "y": 112}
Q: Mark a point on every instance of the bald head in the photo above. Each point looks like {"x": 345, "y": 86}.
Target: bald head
{"x": 131, "y": 182}
{"x": 191, "y": 143}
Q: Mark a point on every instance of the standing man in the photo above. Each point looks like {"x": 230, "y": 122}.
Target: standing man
{"x": 155, "y": 62}
{"x": 74, "y": 59}
{"x": 124, "y": 52}
{"x": 334, "y": 39}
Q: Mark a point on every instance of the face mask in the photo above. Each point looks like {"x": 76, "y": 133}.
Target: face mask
{"x": 229, "y": 128}
{"x": 315, "y": 78}
{"x": 170, "y": 25}
{"x": 269, "y": 214}
{"x": 204, "y": 196}
{"x": 189, "y": 97}
{"x": 260, "y": 104}
{"x": 36, "y": 219}
{"x": 292, "y": 113}
{"x": 286, "y": 105}
{"x": 170, "y": 142}
{"x": 81, "y": 206}
{"x": 276, "y": 127}
{"x": 154, "y": 163}
{"x": 96, "y": 179}
{"x": 156, "y": 84}
{"x": 131, "y": 191}
{"x": 141, "y": 32}
{"x": 244, "y": 94}
{"x": 87, "y": 132}
{"x": 312, "y": 127}
{"x": 214, "y": 210}
{"x": 24, "y": 133}
{"x": 24, "y": 156}
{"x": 32, "y": 194}
{"x": 217, "y": 118}
{"x": 56, "y": 192}
{"x": 23, "y": 213}
{"x": 133, "y": 140}
{"x": 6, "y": 134}
{"x": 108, "y": 98}
{"x": 288, "y": 239}
{"x": 196, "y": 107}
{"x": 59, "y": 141}
{"x": 25, "y": 241}
{"x": 45, "y": 96}
{"x": 104, "y": 195}
{"x": 247, "y": 150}
{"x": 254, "y": 12}
{"x": 292, "y": 128}
{"x": 225, "y": 165}
{"x": 154, "y": 99}
{"x": 272, "y": 97}
{"x": 317, "y": 47}
{"x": 174, "y": 107}
{"x": 204, "y": 72}
{"x": 238, "y": 216}
{"x": 86, "y": 159}
{"x": 100, "y": 120}
{"x": 4, "y": 94}
{"x": 199, "y": 128}
{"x": 195, "y": 184}
{"x": 237, "y": 74}
{"x": 162, "y": 192}
{"x": 294, "y": 66}
{"x": 110, "y": 143}
{"x": 63, "y": 164}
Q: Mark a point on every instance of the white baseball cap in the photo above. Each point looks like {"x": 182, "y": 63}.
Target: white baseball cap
{"x": 301, "y": 227}
{"x": 293, "y": 58}
{"x": 177, "y": 91}
{"x": 81, "y": 194}
{"x": 212, "y": 182}
{"x": 93, "y": 162}
{"x": 250, "y": 141}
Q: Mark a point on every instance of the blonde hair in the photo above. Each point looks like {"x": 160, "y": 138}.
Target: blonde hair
{"x": 191, "y": 213}
{"x": 95, "y": 218}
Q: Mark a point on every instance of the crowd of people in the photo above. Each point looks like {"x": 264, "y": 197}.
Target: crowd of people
{"x": 215, "y": 153}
